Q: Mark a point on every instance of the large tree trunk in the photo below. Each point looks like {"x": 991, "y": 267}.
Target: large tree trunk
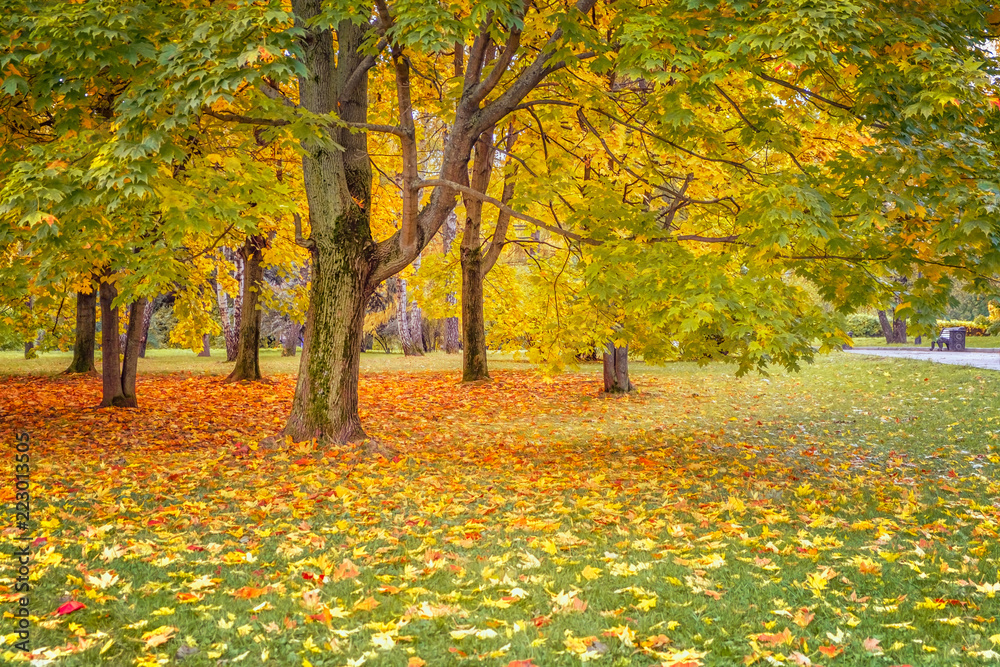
{"x": 326, "y": 395}
{"x": 616, "y": 378}
{"x": 247, "y": 356}
{"x": 118, "y": 382}
{"x": 147, "y": 317}
{"x": 290, "y": 340}
{"x": 86, "y": 332}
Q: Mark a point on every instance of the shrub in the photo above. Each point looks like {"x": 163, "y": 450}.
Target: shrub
{"x": 864, "y": 326}
{"x": 972, "y": 328}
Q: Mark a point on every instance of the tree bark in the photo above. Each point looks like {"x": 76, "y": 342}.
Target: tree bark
{"x": 291, "y": 339}
{"x": 894, "y": 330}
{"x": 86, "y": 332}
{"x": 111, "y": 374}
{"x": 337, "y": 175}
{"x": 476, "y": 263}
{"x": 474, "y": 365}
{"x": 247, "y": 356}
{"x": 147, "y": 317}
{"x": 452, "y": 343}
{"x": 206, "y": 346}
{"x": 616, "y": 379}
{"x": 404, "y": 321}
{"x": 118, "y": 382}
{"x": 130, "y": 364}
{"x": 326, "y": 395}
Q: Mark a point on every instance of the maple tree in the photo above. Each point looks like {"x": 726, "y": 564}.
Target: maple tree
{"x": 846, "y": 140}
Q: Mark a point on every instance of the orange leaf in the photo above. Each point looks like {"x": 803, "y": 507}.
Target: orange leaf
{"x": 346, "y": 570}
{"x": 367, "y": 604}
{"x": 830, "y": 651}
{"x": 248, "y": 592}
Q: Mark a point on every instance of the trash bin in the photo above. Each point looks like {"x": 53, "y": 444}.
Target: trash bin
{"x": 958, "y": 339}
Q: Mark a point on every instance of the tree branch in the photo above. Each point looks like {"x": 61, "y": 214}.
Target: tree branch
{"x": 504, "y": 207}
{"x": 299, "y": 240}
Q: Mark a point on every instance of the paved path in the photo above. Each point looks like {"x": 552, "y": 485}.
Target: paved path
{"x": 989, "y": 360}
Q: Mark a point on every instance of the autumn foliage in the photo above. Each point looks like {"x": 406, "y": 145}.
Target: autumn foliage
{"x": 705, "y": 520}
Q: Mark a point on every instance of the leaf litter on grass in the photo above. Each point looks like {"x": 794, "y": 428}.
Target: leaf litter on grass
{"x": 703, "y": 521}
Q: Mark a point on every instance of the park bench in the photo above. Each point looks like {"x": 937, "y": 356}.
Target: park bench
{"x": 952, "y": 337}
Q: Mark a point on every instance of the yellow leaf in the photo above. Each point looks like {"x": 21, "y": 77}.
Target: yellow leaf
{"x": 590, "y": 573}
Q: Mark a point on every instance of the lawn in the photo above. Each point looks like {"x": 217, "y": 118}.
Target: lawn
{"x": 970, "y": 341}
{"x": 845, "y": 515}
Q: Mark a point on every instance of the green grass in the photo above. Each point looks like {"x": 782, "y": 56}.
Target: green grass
{"x": 882, "y": 472}
{"x": 970, "y": 342}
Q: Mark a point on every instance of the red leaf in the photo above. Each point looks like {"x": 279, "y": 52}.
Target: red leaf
{"x": 70, "y": 607}
{"x": 304, "y": 461}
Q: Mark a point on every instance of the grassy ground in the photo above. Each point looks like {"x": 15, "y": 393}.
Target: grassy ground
{"x": 846, "y": 515}
{"x": 970, "y": 341}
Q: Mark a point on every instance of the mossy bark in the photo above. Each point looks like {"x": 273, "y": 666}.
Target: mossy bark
{"x": 86, "y": 332}
{"x": 326, "y": 396}
{"x": 338, "y": 189}
{"x": 247, "y": 354}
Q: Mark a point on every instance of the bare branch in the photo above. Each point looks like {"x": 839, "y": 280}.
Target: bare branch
{"x": 504, "y": 207}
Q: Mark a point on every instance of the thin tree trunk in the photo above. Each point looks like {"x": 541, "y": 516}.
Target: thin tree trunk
{"x": 130, "y": 363}
{"x": 229, "y": 329}
{"x": 451, "y": 332}
{"x": 206, "y": 346}
{"x": 147, "y": 317}
{"x": 291, "y": 339}
{"x": 616, "y": 379}
{"x": 899, "y": 330}
{"x": 404, "y": 320}
{"x": 29, "y": 345}
{"x": 247, "y": 356}
{"x": 86, "y": 332}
